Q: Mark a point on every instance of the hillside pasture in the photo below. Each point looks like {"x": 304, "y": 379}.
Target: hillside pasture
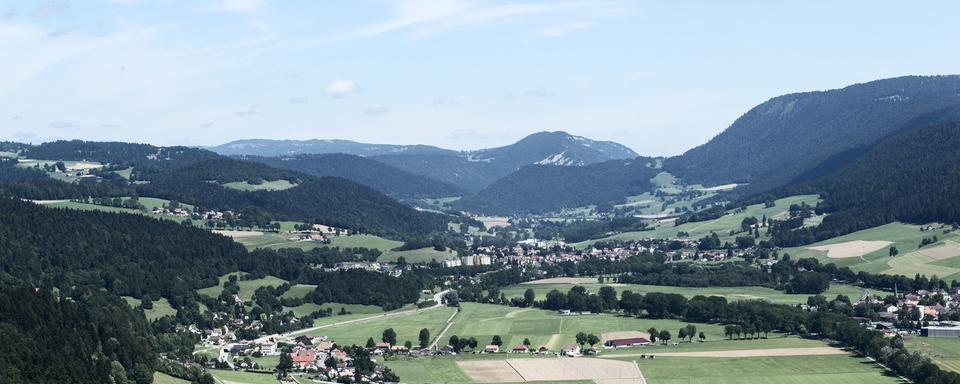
{"x": 721, "y": 226}
{"x": 247, "y": 287}
{"x": 273, "y": 185}
{"x": 855, "y": 248}
{"x": 282, "y": 240}
{"x": 161, "y": 308}
{"x": 945, "y": 351}
{"x": 906, "y": 238}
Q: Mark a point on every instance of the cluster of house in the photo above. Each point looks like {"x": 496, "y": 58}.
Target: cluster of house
{"x": 322, "y": 357}
{"x": 178, "y": 212}
{"x": 918, "y": 306}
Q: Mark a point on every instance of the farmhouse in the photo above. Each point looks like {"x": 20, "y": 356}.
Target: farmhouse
{"x": 303, "y": 358}
{"x": 520, "y": 348}
{"x": 491, "y": 349}
{"x": 626, "y": 342}
{"x": 571, "y": 349}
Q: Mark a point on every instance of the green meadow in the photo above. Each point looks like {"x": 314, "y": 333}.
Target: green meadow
{"x": 721, "y": 226}
{"x": 274, "y": 185}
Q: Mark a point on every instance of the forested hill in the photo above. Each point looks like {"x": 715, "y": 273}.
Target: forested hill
{"x": 147, "y": 160}
{"x": 782, "y": 138}
{"x": 545, "y": 188}
{"x": 329, "y": 200}
{"x": 913, "y": 177}
{"x": 384, "y": 178}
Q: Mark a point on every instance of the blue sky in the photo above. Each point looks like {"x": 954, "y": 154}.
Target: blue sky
{"x": 659, "y": 77}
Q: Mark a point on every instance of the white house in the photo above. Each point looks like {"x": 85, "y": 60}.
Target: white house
{"x": 268, "y": 349}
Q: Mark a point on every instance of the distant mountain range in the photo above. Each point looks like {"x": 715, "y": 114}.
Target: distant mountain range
{"x": 468, "y": 170}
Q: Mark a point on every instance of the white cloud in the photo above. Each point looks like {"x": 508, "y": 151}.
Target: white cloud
{"x": 563, "y": 29}
{"x": 61, "y": 124}
{"x": 341, "y": 88}
{"x": 540, "y": 92}
{"x": 236, "y": 6}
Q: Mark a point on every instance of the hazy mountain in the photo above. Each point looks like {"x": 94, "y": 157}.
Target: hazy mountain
{"x": 384, "y": 178}
{"x": 264, "y": 147}
{"x": 788, "y": 135}
{"x": 468, "y": 170}
{"x": 474, "y": 170}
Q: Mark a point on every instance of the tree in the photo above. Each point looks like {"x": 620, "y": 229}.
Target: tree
{"x": 286, "y": 363}
{"x": 609, "y": 297}
{"x": 894, "y": 251}
{"x": 691, "y": 331}
{"x": 526, "y": 341}
{"x": 146, "y": 302}
{"x": 472, "y": 343}
{"x": 592, "y": 339}
{"x": 702, "y": 336}
{"x": 371, "y": 343}
{"x": 424, "y": 338}
{"x": 408, "y": 345}
{"x": 497, "y": 340}
{"x": 389, "y": 336}
{"x": 654, "y": 334}
{"x": 529, "y": 296}
{"x": 581, "y": 339}
{"x": 682, "y": 334}
{"x": 401, "y": 262}
{"x": 665, "y": 336}
{"x": 455, "y": 343}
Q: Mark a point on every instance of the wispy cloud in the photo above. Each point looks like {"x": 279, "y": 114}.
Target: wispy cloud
{"x": 446, "y": 101}
{"x": 540, "y": 92}
{"x": 247, "y": 111}
{"x": 341, "y": 88}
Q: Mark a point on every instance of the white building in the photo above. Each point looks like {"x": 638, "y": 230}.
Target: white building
{"x": 268, "y": 349}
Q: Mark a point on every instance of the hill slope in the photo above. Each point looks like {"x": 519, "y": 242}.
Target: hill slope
{"x": 384, "y": 178}
{"x": 912, "y": 177}
{"x": 780, "y": 139}
{"x": 329, "y": 200}
{"x": 543, "y": 188}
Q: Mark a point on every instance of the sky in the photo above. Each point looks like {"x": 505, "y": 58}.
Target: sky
{"x": 660, "y": 77}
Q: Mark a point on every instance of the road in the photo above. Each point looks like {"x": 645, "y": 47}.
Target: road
{"x": 437, "y": 298}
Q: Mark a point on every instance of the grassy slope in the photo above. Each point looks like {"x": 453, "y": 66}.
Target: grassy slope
{"x": 161, "y": 308}
{"x": 721, "y": 226}
{"x": 279, "y": 240}
{"x": 162, "y": 378}
{"x": 905, "y": 237}
{"x": 945, "y": 351}
{"x": 731, "y": 293}
{"x": 246, "y": 286}
{"x": 275, "y": 185}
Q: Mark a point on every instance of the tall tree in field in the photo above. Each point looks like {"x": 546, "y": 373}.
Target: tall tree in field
{"x": 691, "y": 331}
{"x": 424, "y": 338}
{"x": 609, "y": 296}
{"x": 529, "y": 296}
{"x": 654, "y": 334}
{"x": 581, "y": 339}
{"x": 497, "y": 340}
{"x": 592, "y": 340}
{"x": 389, "y": 336}
{"x": 665, "y": 336}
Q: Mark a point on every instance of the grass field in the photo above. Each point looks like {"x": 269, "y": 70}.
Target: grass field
{"x": 149, "y": 202}
{"x": 275, "y": 185}
{"x": 945, "y": 351}
{"x": 239, "y": 377}
{"x": 246, "y": 286}
{"x": 721, "y": 226}
{"x": 407, "y": 326}
{"x": 694, "y": 370}
{"x": 279, "y": 240}
{"x": 905, "y": 237}
{"x": 162, "y": 378}
{"x": 730, "y": 293}
{"x": 161, "y": 308}
{"x": 422, "y": 255}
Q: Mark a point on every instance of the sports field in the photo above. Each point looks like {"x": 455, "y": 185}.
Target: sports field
{"x": 730, "y": 293}
{"x": 721, "y": 226}
{"x": 941, "y": 259}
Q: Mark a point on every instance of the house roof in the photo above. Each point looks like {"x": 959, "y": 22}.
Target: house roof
{"x": 628, "y": 341}
{"x": 303, "y": 356}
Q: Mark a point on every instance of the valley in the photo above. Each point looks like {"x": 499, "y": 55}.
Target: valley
{"x": 553, "y": 259}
